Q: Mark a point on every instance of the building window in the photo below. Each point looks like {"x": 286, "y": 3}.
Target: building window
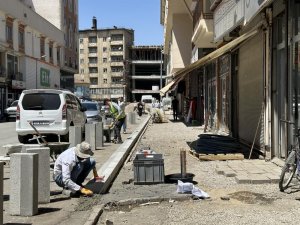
{"x": 12, "y": 66}
{"x": 117, "y": 58}
{"x": 104, "y": 39}
{"x": 104, "y": 49}
{"x": 92, "y": 39}
{"x": 116, "y": 48}
{"x": 93, "y": 60}
{"x": 104, "y": 70}
{"x": 81, "y": 51}
{"x": 104, "y": 81}
{"x": 51, "y": 52}
{"x": 116, "y": 69}
{"x": 117, "y": 37}
{"x": 92, "y": 50}
{"x": 94, "y": 81}
{"x": 82, "y": 71}
{"x": 81, "y": 61}
{"x": 104, "y": 60}
{"x": 93, "y": 69}
{"x": 117, "y": 80}
{"x": 9, "y": 30}
{"x": 21, "y": 39}
{"x": 42, "y": 47}
{"x": 81, "y": 40}
{"x": 58, "y": 55}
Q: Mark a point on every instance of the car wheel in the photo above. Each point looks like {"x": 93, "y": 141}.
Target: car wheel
{"x": 23, "y": 139}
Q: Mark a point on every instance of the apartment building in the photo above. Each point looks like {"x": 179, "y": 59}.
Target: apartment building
{"x": 30, "y": 51}
{"x": 147, "y": 71}
{"x": 239, "y": 61}
{"x": 104, "y": 60}
{"x": 64, "y": 15}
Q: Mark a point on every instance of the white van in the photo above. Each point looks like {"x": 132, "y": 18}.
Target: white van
{"x": 147, "y": 100}
{"x": 50, "y": 111}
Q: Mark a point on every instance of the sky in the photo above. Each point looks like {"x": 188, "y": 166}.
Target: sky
{"x": 143, "y": 16}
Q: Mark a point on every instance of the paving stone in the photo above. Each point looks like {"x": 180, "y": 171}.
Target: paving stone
{"x": 229, "y": 173}
{"x": 259, "y": 179}
{"x": 273, "y": 178}
{"x": 240, "y": 179}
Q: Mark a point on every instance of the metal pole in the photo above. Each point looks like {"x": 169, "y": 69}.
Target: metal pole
{"x": 161, "y": 54}
{"x": 36, "y": 76}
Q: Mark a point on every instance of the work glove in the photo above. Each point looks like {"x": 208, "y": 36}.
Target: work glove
{"x": 86, "y": 192}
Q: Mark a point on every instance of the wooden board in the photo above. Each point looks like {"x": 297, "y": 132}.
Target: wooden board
{"x": 213, "y": 157}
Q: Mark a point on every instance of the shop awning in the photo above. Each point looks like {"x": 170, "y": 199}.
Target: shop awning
{"x": 179, "y": 75}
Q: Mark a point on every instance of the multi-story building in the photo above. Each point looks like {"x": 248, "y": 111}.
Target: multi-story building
{"x": 63, "y": 15}
{"x": 147, "y": 73}
{"x": 239, "y": 61}
{"x": 104, "y": 58}
{"x": 30, "y": 51}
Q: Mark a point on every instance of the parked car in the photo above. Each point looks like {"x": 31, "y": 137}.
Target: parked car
{"x": 51, "y": 111}
{"x": 92, "y": 111}
{"x": 10, "y": 112}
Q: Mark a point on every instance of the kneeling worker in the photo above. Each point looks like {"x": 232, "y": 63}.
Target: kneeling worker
{"x": 73, "y": 166}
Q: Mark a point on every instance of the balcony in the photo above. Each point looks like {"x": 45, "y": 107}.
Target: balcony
{"x": 93, "y": 75}
{"x": 116, "y": 53}
{"x": 92, "y": 54}
{"x": 116, "y": 42}
{"x": 93, "y": 64}
{"x": 92, "y": 44}
{"x": 116, "y": 74}
{"x": 116, "y": 63}
{"x": 203, "y": 35}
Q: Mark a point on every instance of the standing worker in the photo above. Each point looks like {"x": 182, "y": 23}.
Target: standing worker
{"x": 122, "y": 107}
{"x": 140, "y": 107}
{"x": 175, "y": 108}
{"x": 73, "y": 166}
{"x": 119, "y": 116}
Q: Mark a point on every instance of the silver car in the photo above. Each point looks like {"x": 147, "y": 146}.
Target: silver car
{"x": 92, "y": 111}
{"x": 10, "y": 112}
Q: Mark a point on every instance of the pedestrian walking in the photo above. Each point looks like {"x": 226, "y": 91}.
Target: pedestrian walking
{"x": 119, "y": 118}
{"x": 175, "y": 108}
{"x": 73, "y": 166}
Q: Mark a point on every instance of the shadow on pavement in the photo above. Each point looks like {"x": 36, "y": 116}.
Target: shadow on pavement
{"x": 96, "y": 187}
{"x": 47, "y": 210}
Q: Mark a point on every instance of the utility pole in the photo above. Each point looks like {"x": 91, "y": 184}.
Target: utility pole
{"x": 161, "y": 62}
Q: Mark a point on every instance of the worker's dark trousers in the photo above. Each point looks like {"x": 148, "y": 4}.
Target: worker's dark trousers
{"x": 80, "y": 171}
{"x": 117, "y": 129}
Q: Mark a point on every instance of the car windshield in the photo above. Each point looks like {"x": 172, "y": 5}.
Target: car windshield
{"x": 147, "y": 100}
{"x": 41, "y": 101}
{"x": 90, "y": 106}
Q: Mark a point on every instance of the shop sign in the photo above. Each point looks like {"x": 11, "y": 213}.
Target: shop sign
{"x": 227, "y": 16}
{"x": 16, "y": 84}
{"x": 45, "y": 77}
{"x": 252, "y": 7}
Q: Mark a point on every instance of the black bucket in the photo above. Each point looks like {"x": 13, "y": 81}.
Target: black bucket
{"x": 173, "y": 178}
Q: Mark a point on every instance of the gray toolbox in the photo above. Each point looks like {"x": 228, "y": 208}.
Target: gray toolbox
{"x": 149, "y": 169}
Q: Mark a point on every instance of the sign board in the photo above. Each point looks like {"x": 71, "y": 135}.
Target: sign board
{"x": 227, "y": 16}
{"x": 16, "y": 84}
{"x": 252, "y": 7}
{"x": 45, "y": 77}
